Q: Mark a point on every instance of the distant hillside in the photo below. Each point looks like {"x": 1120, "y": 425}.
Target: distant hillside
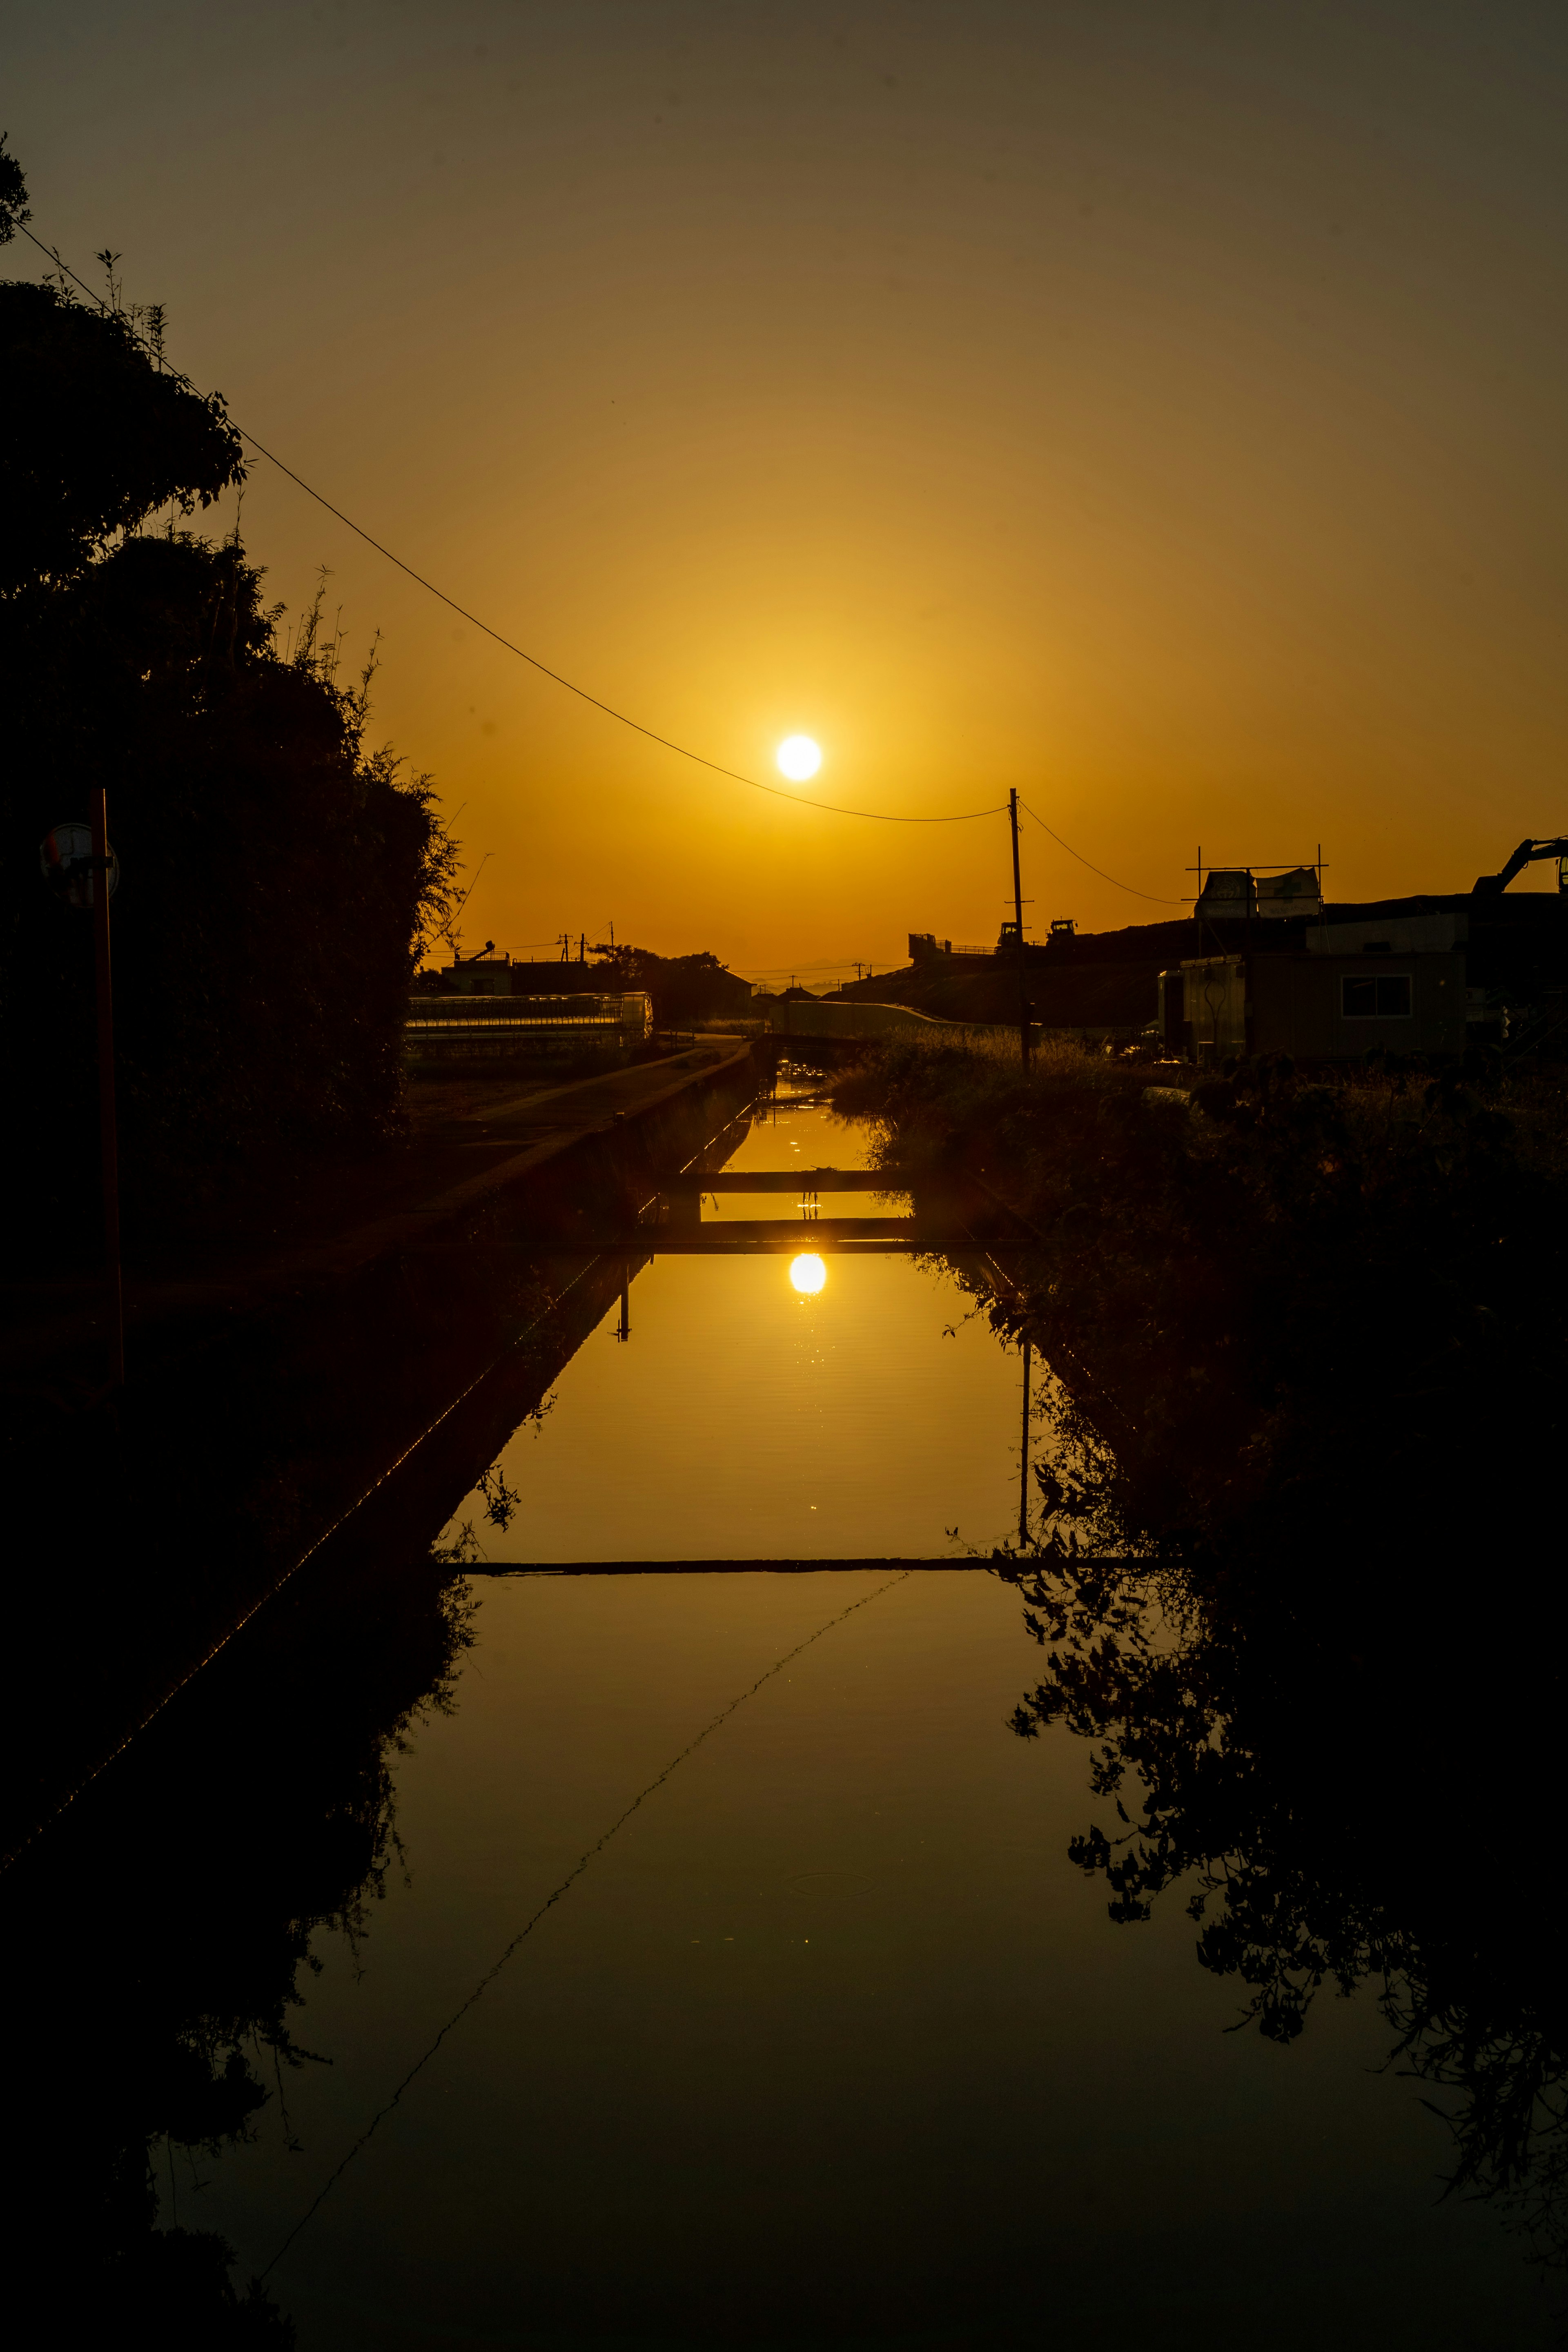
{"x": 1101, "y": 980}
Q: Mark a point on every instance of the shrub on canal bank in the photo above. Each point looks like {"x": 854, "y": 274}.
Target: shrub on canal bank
{"x": 1318, "y": 1319}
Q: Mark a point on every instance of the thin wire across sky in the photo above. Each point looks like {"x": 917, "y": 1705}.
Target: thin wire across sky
{"x": 667, "y": 742}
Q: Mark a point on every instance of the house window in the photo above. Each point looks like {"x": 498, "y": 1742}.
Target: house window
{"x": 1385, "y": 998}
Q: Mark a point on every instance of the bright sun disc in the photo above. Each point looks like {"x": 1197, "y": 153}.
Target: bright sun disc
{"x": 799, "y": 758}
{"x": 808, "y": 1275}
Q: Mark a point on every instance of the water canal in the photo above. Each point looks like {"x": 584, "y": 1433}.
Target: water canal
{"x": 714, "y": 1969}
{"x": 793, "y": 1405}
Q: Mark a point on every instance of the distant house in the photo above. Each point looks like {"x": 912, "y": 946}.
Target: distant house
{"x": 482, "y": 975}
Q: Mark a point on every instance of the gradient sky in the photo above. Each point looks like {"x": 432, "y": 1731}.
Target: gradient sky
{"x": 1153, "y": 404}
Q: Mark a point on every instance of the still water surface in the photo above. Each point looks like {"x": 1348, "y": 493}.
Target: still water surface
{"x": 749, "y": 1417}
{"x": 737, "y": 1987}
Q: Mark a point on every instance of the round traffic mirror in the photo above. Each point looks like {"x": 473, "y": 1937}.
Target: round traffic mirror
{"x": 66, "y": 856}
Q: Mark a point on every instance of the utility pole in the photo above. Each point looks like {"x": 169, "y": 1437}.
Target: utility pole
{"x": 1215, "y": 942}
{"x": 108, "y": 1152}
{"x": 1018, "y": 925}
{"x": 1024, "y": 1457}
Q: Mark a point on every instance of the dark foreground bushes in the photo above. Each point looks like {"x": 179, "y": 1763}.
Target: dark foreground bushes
{"x": 1318, "y": 1319}
{"x": 186, "y": 1907}
{"x": 273, "y": 877}
{"x": 1294, "y": 1567}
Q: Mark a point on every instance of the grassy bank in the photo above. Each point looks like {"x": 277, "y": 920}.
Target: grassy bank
{"x": 1316, "y": 1315}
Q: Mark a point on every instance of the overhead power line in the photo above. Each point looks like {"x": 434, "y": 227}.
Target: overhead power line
{"x": 1099, "y": 870}
{"x": 877, "y": 817}
{"x": 667, "y": 744}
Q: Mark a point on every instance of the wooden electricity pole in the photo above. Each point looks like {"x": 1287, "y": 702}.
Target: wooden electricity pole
{"x": 1018, "y": 926}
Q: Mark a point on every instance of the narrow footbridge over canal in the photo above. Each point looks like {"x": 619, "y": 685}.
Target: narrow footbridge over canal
{"x": 673, "y": 1223}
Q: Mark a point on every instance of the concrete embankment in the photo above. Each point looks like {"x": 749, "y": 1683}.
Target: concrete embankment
{"x": 818, "y": 1020}
{"x": 271, "y": 1395}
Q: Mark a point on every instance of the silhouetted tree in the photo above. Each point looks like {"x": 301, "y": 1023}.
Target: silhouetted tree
{"x": 97, "y": 434}
{"x": 275, "y": 872}
{"x": 14, "y": 211}
{"x": 682, "y": 987}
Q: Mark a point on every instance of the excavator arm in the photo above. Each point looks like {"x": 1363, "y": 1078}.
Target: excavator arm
{"x": 1493, "y": 885}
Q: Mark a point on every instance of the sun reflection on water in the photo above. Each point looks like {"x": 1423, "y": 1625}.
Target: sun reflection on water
{"x": 808, "y": 1274}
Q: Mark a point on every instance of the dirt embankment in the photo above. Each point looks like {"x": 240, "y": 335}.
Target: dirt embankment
{"x": 1085, "y": 996}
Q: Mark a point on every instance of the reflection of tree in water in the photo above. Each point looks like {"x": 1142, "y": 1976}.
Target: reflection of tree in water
{"x": 178, "y": 1912}
{"x": 1334, "y": 1818}
{"x": 459, "y": 1546}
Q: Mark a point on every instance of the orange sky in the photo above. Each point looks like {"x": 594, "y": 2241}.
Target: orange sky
{"x": 1156, "y": 407}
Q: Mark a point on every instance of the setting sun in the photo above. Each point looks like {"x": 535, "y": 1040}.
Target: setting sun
{"x": 799, "y": 758}
{"x": 808, "y": 1274}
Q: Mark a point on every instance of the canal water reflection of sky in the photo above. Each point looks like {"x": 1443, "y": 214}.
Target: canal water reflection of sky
{"x": 827, "y": 2044}
{"x": 737, "y": 1988}
{"x": 753, "y": 1416}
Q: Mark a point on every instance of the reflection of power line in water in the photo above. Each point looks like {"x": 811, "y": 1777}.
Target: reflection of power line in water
{"x": 551, "y": 1900}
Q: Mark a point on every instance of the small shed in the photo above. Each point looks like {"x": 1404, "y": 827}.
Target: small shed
{"x": 1398, "y": 986}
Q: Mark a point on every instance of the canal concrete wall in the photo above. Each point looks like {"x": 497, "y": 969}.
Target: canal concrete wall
{"x": 273, "y": 1407}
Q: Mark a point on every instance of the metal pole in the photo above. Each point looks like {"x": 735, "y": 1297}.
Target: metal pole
{"x": 1023, "y": 1459}
{"x": 109, "y": 1155}
{"x": 1018, "y": 924}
